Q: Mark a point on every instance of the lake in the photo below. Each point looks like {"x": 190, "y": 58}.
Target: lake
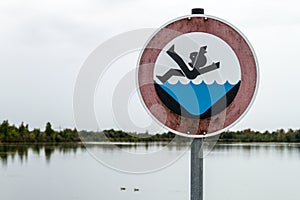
{"x": 70, "y": 172}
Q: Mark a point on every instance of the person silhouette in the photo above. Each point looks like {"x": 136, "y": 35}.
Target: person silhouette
{"x": 198, "y": 61}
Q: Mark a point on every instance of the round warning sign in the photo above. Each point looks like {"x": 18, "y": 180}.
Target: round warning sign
{"x": 197, "y": 75}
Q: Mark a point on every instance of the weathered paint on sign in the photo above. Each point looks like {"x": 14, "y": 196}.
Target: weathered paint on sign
{"x": 205, "y": 101}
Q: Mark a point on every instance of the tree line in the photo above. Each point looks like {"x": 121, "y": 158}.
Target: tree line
{"x": 112, "y": 135}
{"x": 249, "y": 135}
{"x": 21, "y": 134}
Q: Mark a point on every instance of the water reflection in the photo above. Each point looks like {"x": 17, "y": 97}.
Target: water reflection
{"x": 265, "y": 149}
{"x": 21, "y": 151}
{"x": 136, "y": 147}
{"x": 257, "y": 146}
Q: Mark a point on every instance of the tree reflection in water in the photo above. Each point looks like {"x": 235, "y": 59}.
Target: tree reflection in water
{"x": 21, "y": 151}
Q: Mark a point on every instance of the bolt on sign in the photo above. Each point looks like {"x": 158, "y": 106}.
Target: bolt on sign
{"x": 197, "y": 75}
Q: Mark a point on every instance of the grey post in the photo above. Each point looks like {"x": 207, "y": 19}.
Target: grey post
{"x": 197, "y": 155}
{"x": 197, "y": 169}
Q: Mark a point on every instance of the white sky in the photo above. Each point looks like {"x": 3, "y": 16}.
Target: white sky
{"x": 44, "y": 43}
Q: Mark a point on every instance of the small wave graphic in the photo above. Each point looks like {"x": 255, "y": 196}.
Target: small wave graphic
{"x": 197, "y": 82}
{"x": 196, "y": 99}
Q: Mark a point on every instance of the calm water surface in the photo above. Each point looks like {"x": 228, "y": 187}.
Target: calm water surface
{"x": 67, "y": 172}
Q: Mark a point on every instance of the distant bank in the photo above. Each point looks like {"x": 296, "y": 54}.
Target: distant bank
{"x": 21, "y": 134}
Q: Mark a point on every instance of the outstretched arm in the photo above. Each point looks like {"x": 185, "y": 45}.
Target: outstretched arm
{"x": 209, "y": 68}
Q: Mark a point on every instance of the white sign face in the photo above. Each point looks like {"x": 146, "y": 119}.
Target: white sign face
{"x": 216, "y": 51}
{"x": 194, "y": 72}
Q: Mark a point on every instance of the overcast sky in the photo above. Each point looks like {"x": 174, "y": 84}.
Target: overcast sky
{"x": 44, "y": 43}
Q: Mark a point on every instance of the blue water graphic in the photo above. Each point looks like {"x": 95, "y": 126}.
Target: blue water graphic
{"x": 197, "y": 98}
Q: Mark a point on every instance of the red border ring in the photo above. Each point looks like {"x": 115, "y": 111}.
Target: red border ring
{"x": 249, "y": 75}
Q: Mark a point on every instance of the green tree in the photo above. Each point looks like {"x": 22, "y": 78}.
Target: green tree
{"x": 4, "y": 131}
{"x": 23, "y": 132}
{"x": 48, "y": 129}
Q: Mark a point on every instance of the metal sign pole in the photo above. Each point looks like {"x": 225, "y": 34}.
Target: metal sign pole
{"x": 197, "y": 169}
